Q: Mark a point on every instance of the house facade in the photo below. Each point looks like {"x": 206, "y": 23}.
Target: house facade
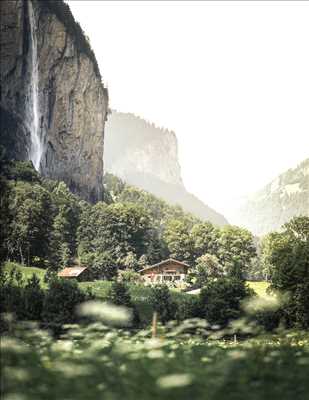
{"x": 166, "y": 271}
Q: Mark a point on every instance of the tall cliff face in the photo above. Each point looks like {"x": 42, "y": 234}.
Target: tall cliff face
{"x": 146, "y": 156}
{"x": 285, "y": 197}
{"x": 134, "y": 146}
{"x": 53, "y": 104}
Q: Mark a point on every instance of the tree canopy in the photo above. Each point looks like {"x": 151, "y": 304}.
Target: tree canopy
{"x": 48, "y": 226}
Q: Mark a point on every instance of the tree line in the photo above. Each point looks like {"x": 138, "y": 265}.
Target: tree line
{"x": 47, "y": 226}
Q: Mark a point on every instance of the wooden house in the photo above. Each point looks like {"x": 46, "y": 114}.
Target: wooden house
{"x": 73, "y": 272}
{"x": 166, "y": 271}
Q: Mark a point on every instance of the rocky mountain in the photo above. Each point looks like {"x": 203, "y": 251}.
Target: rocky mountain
{"x": 53, "y": 103}
{"x": 146, "y": 156}
{"x": 285, "y": 197}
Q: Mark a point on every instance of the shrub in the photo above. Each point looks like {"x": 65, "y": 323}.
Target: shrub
{"x": 269, "y": 320}
{"x": 120, "y": 296}
{"x": 130, "y": 262}
{"x": 128, "y": 276}
{"x": 104, "y": 267}
{"x": 207, "y": 267}
{"x": 60, "y": 301}
{"x": 23, "y": 171}
{"x": 33, "y": 299}
{"x": 162, "y": 303}
{"x": 11, "y": 297}
{"x": 25, "y": 301}
{"x": 301, "y": 300}
{"x": 287, "y": 257}
{"x": 220, "y": 300}
{"x": 187, "y": 307}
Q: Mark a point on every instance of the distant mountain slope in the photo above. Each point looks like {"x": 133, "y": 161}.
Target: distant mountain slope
{"x": 146, "y": 156}
{"x": 282, "y": 199}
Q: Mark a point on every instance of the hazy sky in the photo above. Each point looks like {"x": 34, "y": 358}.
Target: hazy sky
{"x": 230, "y": 78}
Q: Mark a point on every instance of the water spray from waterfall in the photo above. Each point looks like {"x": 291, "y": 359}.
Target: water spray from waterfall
{"x": 36, "y": 149}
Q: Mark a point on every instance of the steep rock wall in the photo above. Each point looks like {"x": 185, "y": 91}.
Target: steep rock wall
{"x": 72, "y": 101}
{"x": 146, "y": 156}
{"x": 136, "y": 146}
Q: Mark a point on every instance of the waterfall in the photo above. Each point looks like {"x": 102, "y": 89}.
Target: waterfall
{"x": 33, "y": 110}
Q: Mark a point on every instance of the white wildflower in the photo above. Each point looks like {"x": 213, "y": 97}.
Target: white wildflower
{"x": 174, "y": 381}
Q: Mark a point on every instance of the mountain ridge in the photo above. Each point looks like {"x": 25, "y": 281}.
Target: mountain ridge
{"x": 146, "y": 156}
{"x": 285, "y": 197}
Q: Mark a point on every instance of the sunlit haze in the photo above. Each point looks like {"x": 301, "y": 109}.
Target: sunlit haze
{"x": 230, "y": 78}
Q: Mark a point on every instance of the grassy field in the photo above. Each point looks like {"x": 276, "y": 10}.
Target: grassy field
{"x": 98, "y": 362}
{"x": 139, "y": 293}
{"x": 26, "y": 272}
{"x": 101, "y": 288}
{"x": 259, "y": 287}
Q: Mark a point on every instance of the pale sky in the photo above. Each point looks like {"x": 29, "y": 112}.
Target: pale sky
{"x": 230, "y": 78}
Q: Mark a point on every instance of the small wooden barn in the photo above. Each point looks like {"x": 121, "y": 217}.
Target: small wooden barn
{"x": 166, "y": 271}
{"x": 73, "y": 272}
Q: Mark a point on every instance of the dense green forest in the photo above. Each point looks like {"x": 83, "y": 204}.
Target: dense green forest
{"x": 44, "y": 225}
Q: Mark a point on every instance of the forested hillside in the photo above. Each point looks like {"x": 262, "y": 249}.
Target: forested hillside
{"x": 47, "y": 226}
{"x": 285, "y": 197}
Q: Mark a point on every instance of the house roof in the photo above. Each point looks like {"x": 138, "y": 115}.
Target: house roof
{"x": 71, "y": 272}
{"x": 168, "y": 261}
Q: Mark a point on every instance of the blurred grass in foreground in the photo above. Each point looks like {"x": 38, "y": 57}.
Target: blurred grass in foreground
{"x": 191, "y": 360}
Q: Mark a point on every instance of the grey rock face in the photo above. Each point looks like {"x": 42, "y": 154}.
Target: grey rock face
{"x": 73, "y": 103}
{"x": 134, "y": 145}
{"x": 14, "y": 48}
{"x": 146, "y": 156}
